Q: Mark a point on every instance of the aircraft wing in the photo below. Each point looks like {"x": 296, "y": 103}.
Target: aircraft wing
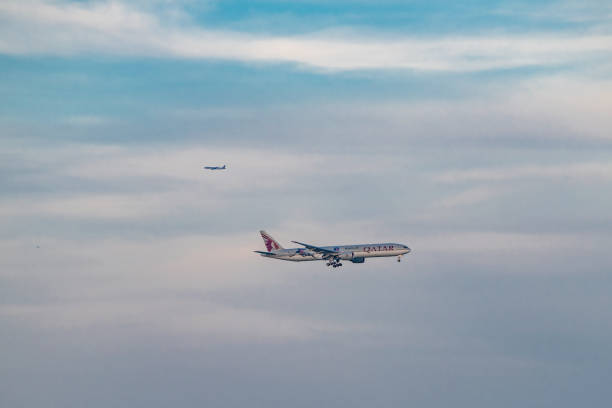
{"x": 317, "y": 249}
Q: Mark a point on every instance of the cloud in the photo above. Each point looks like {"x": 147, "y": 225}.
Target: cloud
{"x": 503, "y": 242}
{"x": 93, "y": 206}
{"x": 567, "y": 11}
{"x": 153, "y": 286}
{"x": 114, "y": 28}
{"x": 86, "y": 120}
{"x": 520, "y": 112}
{"x": 588, "y": 171}
{"x": 196, "y": 321}
{"x": 127, "y": 272}
{"x": 111, "y": 183}
{"x": 471, "y": 196}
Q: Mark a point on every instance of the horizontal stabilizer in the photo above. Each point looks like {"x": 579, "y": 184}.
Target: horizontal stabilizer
{"x": 264, "y": 253}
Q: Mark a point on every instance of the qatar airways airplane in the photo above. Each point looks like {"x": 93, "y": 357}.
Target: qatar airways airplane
{"x": 332, "y": 254}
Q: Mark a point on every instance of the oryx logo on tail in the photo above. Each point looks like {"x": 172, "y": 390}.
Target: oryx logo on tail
{"x": 271, "y": 244}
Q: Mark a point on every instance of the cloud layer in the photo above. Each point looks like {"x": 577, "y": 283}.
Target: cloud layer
{"x": 115, "y": 28}
{"x": 127, "y": 277}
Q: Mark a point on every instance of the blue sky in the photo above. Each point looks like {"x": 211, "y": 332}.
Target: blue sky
{"x": 478, "y": 133}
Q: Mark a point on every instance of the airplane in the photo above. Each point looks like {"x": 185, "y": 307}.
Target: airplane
{"x": 214, "y": 167}
{"x": 332, "y": 254}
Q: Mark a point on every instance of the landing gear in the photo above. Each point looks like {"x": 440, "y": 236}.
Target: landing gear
{"x": 399, "y": 258}
{"x": 334, "y": 263}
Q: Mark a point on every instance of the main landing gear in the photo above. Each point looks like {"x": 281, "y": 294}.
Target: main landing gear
{"x": 334, "y": 263}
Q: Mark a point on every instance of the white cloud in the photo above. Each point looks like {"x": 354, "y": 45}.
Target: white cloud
{"x": 38, "y": 27}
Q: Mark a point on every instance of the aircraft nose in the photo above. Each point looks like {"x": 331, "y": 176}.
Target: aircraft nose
{"x": 408, "y": 250}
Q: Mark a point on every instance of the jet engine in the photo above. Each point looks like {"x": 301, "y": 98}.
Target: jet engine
{"x": 346, "y": 256}
{"x": 350, "y": 256}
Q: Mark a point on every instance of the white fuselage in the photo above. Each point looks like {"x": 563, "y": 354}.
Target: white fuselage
{"x": 345, "y": 252}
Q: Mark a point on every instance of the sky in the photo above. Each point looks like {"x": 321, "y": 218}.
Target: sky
{"x": 477, "y": 132}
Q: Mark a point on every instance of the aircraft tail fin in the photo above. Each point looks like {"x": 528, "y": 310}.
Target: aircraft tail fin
{"x": 271, "y": 244}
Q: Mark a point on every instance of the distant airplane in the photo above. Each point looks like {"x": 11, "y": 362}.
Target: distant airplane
{"x": 214, "y": 167}
{"x": 332, "y": 254}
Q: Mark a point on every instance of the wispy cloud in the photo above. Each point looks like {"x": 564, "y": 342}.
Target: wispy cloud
{"x": 566, "y": 11}
{"x": 471, "y": 196}
{"x": 114, "y": 28}
{"x": 506, "y": 242}
{"x": 92, "y": 206}
{"x": 199, "y": 321}
{"x": 86, "y": 120}
{"x": 590, "y": 171}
